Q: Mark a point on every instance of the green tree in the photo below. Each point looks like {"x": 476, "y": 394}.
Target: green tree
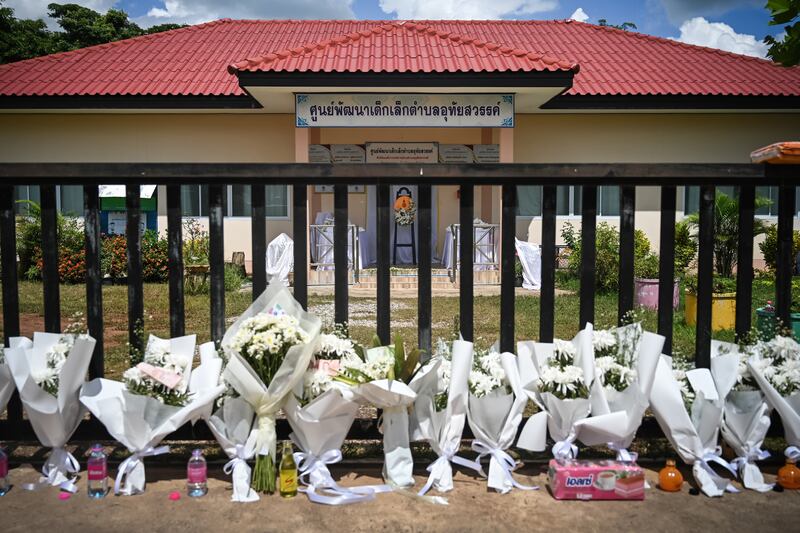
{"x": 23, "y": 38}
{"x": 624, "y": 26}
{"x": 787, "y": 51}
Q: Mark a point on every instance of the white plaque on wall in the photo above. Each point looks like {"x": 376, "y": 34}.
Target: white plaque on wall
{"x": 384, "y": 110}
{"x": 347, "y": 153}
{"x": 455, "y": 153}
{"x": 382, "y": 152}
{"x": 486, "y": 153}
{"x": 319, "y": 153}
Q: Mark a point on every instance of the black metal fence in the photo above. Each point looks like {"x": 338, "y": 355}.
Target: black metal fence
{"x": 299, "y": 176}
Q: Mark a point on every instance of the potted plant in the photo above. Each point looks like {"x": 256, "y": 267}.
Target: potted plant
{"x": 647, "y": 269}
{"x": 726, "y": 244}
{"x": 723, "y": 302}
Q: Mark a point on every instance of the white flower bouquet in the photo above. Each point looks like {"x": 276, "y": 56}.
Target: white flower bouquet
{"x": 48, "y": 377}
{"x": 163, "y": 370}
{"x": 746, "y": 415}
{"x": 556, "y": 376}
{"x": 382, "y": 379}
{"x": 320, "y": 417}
{"x": 440, "y": 410}
{"x": 139, "y": 421}
{"x": 495, "y": 405}
{"x": 269, "y": 348}
{"x": 625, "y": 361}
{"x": 6, "y": 380}
{"x": 775, "y": 367}
{"x": 694, "y": 431}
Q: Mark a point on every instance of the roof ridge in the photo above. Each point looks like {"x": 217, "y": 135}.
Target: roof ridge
{"x": 112, "y": 44}
{"x": 421, "y": 27}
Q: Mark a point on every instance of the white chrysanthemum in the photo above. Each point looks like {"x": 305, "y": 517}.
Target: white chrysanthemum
{"x": 604, "y": 364}
{"x": 333, "y": 347}
{"x": 134, "y": 375}
{"x": 564, "y": 348}
{"x": 602, "y": 340}
{"x": 315, "y": 383}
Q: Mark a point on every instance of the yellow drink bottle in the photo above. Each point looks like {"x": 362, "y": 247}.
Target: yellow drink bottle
{"x": 288, "y": 472}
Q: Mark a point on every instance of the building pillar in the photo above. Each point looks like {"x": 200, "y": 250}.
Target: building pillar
{"x": 301, "y": 141}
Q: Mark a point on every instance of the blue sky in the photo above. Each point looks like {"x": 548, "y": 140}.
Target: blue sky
{"x": 734, "y": 25}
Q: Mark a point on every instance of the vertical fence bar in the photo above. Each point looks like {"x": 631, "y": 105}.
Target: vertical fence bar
{"x": 10, "y": 283}
{"x": 588, "y": 254}
{"x": 382, "y": 238}
{"x": 744, "y": 261}
{"x": 216, "y": 259}
{"x": 666, "y": 266}
{"x": 135, "y": 285}
{"x": 94, "y": 277}
{"x": 466, "y": 259}
{"x": 177, "y": 316}
{"x": 50, "y": 281}
{"x": 626, "y": 231}
{"x": 508, "y": 227}
{"x": 424, "y": 269}
{"x": 783, "y": 277}
{"x": 258, "y": 232}
{"x": 705, "y": 277}
{"x": 547, "y": 301}
{"x": 340, "y": 253}
{"x": 300, "y": 235}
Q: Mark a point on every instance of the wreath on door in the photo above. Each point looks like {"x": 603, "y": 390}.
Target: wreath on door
{"x": 404, "y": 210}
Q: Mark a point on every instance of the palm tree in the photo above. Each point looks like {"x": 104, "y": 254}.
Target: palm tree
{"x": 726, "y": 230}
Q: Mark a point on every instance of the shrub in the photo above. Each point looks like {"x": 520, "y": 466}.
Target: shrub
{"x": 113, "y": 257}
{"x": 769, "y": 246}
{"x": 647, "y": 267}
{"x": 195, "y": 243}
{"x": 70, "y": 239}
{"x": 685, "y": 248}
{"x": 607, "y": 253}
{"x": 155, "y": 257}
{"x": 719, "y": 284}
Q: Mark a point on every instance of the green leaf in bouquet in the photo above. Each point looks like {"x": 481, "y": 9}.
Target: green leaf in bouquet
{"x": 399, "y": 357}
{"x": 410, "y": 365}
{"x": 376, "y": 342}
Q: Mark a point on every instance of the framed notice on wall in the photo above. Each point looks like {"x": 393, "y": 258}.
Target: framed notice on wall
{"x": 414, "y": 152}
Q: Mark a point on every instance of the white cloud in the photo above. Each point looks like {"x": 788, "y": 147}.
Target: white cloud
{"x": 197, "y": 11}
{"x": 464, "y": 9}
{"x": 679, "y": 10}
{"x": 579, "y": 15}
{"x": 719, "y": 35}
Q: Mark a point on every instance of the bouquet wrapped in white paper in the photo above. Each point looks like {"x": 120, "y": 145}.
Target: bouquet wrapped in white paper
{"x": 320, "y": 415}
{"x": 556, "y": 376}
{"x": 48, "y": 373}
{"x": 269, "y": 348}
{"x": 140, "y": 420}
{"x": 625, "y": 361}
{"x": 380, "y": 380}
{"x": 440, "y": 411}
{"x": 691, "y": 419}
{"x": 6, "y": 380}
{"x": 746, "y": 417}
{"x": 775, "y": 367}
{"x": 495, "y": 405}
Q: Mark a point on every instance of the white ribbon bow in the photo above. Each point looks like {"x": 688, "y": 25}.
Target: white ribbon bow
{"x": 623, "y": 454}
{"x": 749, "y": 473}
{"x": 129, "y": 464}
{"x": 716, "y": 457}
{"x": 238, "y": 468}
{"x": 504, "y": 461}
{"x": 751, "y": 457}
{"x": 792, "y": 452}
{"x": 564, "y": 450}
{"x": 60, "y": 465}
{"x": 314, "y": 475}
{"x": 440, "y": 468}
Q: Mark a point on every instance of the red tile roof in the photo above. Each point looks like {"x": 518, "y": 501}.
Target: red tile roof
{"x": 195, "y": 60}
{"x": 403, "y": 47}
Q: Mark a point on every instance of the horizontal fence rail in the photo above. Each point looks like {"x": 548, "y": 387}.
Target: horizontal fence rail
{"x": 301, "y": 176}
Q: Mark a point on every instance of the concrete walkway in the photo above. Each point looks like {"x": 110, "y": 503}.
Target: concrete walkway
{"x": 471, "y": 508}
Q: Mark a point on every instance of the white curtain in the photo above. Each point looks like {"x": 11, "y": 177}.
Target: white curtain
{"x": 404, "y": 255}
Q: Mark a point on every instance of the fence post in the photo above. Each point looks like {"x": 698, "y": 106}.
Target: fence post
{"x": 341, "y": 244}
{"x": 508, "y": 227}
{"x": 424, "y": 271}
{"x": 94, "y": 277}
{"x": 466, "y": 258}
{"x": 588, "y": 254}
{"x": 705, "y": 277}
{"x": 547, "y": 302}
{"x": 177, "y": 317}
{"x": 135, "y": 285}
{"x": 50, "y": 276}
{"x": 744, "y": 261}
{"x": 666, "y": 266}
{"x": 626, "y": 249}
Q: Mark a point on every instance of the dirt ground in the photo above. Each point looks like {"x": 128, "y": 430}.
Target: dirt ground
{"x": 471, "y": 508}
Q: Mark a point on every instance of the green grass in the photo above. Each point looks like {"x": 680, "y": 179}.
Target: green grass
{"x": 404, "y": 316}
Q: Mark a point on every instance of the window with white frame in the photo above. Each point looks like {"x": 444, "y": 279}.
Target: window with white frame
{"x": 236, "y": 199}
{"x": 692, "y": 199}
{"x": 568, "y": 201}
{"x": 69, "y": 199}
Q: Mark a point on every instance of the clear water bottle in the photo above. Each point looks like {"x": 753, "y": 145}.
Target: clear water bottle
{"x": 97, "y": 472}
{"x": 197, "y": 475}
{"x": 4, "y": 485}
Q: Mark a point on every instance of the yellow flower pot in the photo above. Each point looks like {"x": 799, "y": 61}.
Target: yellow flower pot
{"x": 723, "y": 310}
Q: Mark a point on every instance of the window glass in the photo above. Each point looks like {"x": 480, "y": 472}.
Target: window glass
{"x": 71, "y": 199}
{"x": 277, "y": 204}
{"x": 529, "y": 201}
{"x": 240, "y": 201}
{"x": 609, "y": 201}
{"x": 194, "y": 200}
{"x": 691, "y": 197}
{"x": 562, "y": 200}
{"x": 23, "y": 193}
{"x": 771, "y": 194}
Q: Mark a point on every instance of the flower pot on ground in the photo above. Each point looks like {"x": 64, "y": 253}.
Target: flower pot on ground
{"x": 646, "y": 284}
{"x": 723, "y": 303}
